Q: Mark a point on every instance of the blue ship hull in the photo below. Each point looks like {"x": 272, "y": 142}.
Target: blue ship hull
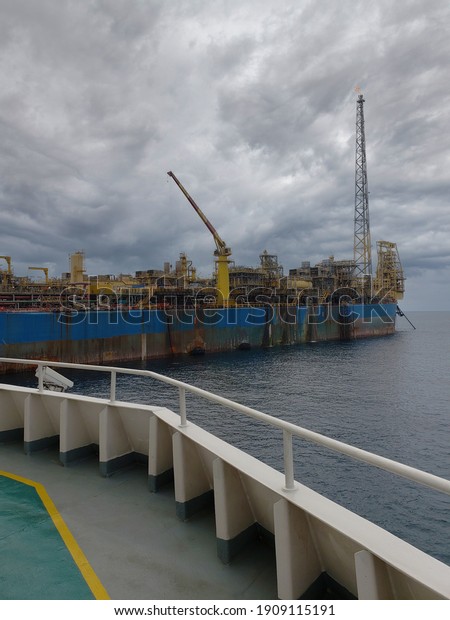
{"x": 102, "y": 336}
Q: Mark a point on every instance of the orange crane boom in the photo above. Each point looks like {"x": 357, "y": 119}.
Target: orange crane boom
{"x": 222, "y": 251}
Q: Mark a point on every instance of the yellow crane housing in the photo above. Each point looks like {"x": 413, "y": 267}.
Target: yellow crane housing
{"x": 222, "y": 252}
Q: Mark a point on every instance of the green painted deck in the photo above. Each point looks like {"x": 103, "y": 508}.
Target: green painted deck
{"x": 35, "y": 561}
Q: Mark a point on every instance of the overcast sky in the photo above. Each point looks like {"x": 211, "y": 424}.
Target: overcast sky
{"x": 252, "y": 104}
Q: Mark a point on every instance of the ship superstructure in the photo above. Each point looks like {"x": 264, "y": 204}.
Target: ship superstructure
{"x": 231, "y": 285}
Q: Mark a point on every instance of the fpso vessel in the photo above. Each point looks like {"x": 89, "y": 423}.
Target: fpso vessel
{"x": 95, "y": 319}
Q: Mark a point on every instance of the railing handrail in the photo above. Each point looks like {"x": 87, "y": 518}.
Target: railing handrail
{"x": 289, "y": 430}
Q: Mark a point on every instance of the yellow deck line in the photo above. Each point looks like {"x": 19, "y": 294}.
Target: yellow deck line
{"x": 80, "y": 559}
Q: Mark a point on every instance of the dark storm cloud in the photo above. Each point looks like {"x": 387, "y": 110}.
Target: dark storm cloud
{"x": 251, "y": 104}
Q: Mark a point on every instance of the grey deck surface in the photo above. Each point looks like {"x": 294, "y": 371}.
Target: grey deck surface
{"x": 132, "y": 538}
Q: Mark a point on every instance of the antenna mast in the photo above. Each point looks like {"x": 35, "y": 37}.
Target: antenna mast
{"x": 362, "y": 245}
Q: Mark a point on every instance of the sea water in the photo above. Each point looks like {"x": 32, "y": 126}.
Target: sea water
{"x": 388, "y": 395}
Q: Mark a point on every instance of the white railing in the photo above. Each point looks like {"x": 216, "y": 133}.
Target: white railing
{"x": 289, "y": 430}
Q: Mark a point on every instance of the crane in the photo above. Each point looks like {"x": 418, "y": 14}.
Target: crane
{"x": 44, "y": 269}
{"x": 7, "y": 276}
{"x": 222, "y": 252}
{"x": 8, "y": 261}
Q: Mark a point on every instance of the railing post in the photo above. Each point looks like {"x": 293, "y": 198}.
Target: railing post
{"x": 289, "y": 484}
{"x": 112, "y": 396}
{"x": 182, "y": 396}
{"x": 41, "y": 377}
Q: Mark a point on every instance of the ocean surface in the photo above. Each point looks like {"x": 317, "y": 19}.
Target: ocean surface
{"x": 388, "y": 395}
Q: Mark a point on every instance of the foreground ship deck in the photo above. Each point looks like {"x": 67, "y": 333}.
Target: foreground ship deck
{"x": 219, "y": 524}
{"x": 134, "y": 543}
